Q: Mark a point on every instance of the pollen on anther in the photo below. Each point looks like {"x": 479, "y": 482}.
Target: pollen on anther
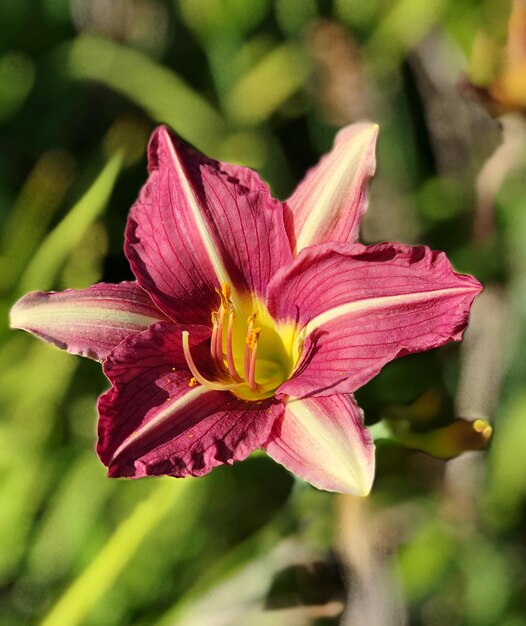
{"x": 224, "y": 294}
{"x": 192, "y": 382}
{"x": 252, "y": 339}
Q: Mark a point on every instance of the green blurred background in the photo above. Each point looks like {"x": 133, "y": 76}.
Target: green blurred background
{"x": 267, "y": 83}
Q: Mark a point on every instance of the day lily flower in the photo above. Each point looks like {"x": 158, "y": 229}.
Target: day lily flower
{"x": 251, "y": 322}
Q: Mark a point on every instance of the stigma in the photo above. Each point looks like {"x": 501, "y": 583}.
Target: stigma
{"x": 227, "y": 374}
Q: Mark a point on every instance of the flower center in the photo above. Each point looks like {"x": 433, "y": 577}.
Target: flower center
{"x": 251, "y": 355}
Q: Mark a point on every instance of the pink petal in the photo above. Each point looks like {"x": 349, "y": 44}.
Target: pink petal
{"x": 152, "y": 422}
{"x": 198, "y": 224}
{"x": 360, "y": 307}
{"x": 89, "y": 322}
{"x": 329, "y": 203}
{"x": 324, "y": 441}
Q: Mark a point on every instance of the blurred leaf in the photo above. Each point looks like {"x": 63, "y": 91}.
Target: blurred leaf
{"x": 85, "y": 263}
{"x": 424, "y": 559}
{"x": 441, "y": 199}
{"x": 41, "y": 195}
{"x": 401, "y": 28}
{"x": 82, "y": 595}
{"x": 313, "y": 583}
{"x": 356, "y": 12}
{"x": 42, "y": 272}
{"x": 268, "y": 85}
{"x": 210, "y": 537}
{"x": 294, "y": 15}
{"x": 380, "y": 430}
{"x": 210, "y": 18}
{"x": 69, "y": 517}
{"x": 488, "y": 578}
{"x": 17, "y": 74}
{"x": 129, "y": 135}
{"x": 159, "y": 91}
{"x": 221, "y": 26}
{"x": 507, "y": 462}
{"x": 24, "y": 484}
{"x": 31, "y": 410}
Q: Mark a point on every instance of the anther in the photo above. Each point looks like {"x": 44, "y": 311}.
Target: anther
{"x": 213, "y": 340}
{"x": 226, "y": 291}
{"x": 224, "y": 294}
{"x": 219, "y": 337}
{"x": 192, "y": 382}
{"x": 254, "y": 336}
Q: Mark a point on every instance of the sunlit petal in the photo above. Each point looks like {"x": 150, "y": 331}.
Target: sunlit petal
{"x": 329, "y": 203}
{"x": 324, "y": 441}
{"x": 199, "y": 224}
{"x": 358, "y": 307}
{"x": 89, "y": 322}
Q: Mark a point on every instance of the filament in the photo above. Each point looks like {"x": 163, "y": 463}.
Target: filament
{"x": 196, "y": 373}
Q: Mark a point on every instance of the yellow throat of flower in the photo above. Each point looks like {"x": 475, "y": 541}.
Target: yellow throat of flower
{"x": 252, "y": 354}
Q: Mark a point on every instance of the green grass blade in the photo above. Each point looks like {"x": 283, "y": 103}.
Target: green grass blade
{"x": 77, "y": 601}
{"x": 268, "y": 85}
{"x": 42, "y": 271}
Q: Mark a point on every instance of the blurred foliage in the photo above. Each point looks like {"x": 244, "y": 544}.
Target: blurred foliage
{"x": 265, "y": 83}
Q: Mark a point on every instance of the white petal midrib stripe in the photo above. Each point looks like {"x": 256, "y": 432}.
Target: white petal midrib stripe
{"x": 324, "y": 198}
{"x": 166, "y": 412}
{"x": 328, "y": 437}
{"x": 206, "y": 237}
{"x": 377, "y": 303}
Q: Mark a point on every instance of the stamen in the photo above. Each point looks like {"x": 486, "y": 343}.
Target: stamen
{"x": 229, "y": 353}
{"x": 250, "y": 322}
{"x": 219, "y": 336}
{"x": 252, "y": 384}
{"x": 193, "y": 368}
{"x": 213, "y": 340}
